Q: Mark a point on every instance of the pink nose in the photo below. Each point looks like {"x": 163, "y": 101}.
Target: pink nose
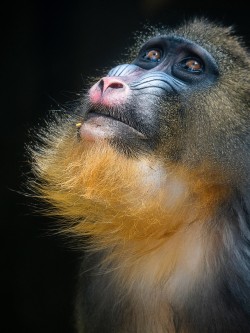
{"x": 110, "y": 82}
{"x": 109, "y": 91}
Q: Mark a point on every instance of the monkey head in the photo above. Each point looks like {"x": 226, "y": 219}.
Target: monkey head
{"x": 171, "y": 123}
{"x": 184, "y": 97}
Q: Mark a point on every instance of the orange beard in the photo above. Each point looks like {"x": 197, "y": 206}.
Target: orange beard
{"x": 115, "y": 199}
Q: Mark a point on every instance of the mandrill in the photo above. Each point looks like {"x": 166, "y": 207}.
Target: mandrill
{"x": 151, "y": 173}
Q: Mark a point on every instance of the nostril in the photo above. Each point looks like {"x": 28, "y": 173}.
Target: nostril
{"x": 101, "y": 84}
{"x": 115, "y": 85}
{"x": 109, "y": 82}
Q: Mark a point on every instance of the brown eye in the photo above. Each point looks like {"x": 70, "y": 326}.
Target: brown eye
{"x": 192, "y": 65}
{"x": 152, "y": 55}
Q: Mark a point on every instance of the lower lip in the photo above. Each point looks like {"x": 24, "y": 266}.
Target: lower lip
{"x": 100, "y": 127}
{"x": 95, "y": 128}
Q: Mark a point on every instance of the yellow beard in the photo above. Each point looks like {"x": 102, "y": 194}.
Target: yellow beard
{"x": 115, "y": 199}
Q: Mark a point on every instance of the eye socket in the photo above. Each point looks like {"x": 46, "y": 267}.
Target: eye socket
{"x": 192, "y": 65}
{"x": 152, "y": 55}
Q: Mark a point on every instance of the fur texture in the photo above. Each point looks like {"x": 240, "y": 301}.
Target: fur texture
{"x": 167, "y": 234}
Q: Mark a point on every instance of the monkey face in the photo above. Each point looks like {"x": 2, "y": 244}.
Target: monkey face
{"x": 138, "y": 107}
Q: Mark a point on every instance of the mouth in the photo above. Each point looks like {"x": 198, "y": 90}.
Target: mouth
{"x": 108, "y": 123}
{"x": 115, "y": 115}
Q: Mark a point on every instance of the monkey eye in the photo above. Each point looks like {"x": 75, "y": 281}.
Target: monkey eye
{"x": 152, "y": 55}
{"x": 192, "y": 65}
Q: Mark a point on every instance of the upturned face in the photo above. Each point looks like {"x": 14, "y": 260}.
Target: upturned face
{"x": 183, "y": 97}
{"x": 141, "y": 106}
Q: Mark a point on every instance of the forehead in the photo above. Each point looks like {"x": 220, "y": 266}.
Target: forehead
{"x": 200, "y": 32}
{"x": 170, "y": 41}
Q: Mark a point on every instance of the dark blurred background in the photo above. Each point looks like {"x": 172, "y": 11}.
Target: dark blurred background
{"x": 49, "y": 48}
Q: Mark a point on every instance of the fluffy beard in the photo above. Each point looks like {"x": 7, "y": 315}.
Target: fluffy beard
{"x": 114, "y": 198}
{"x": 101, "y": 191}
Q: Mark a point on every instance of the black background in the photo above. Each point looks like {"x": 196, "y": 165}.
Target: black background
{"x": 49, "y": 48}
